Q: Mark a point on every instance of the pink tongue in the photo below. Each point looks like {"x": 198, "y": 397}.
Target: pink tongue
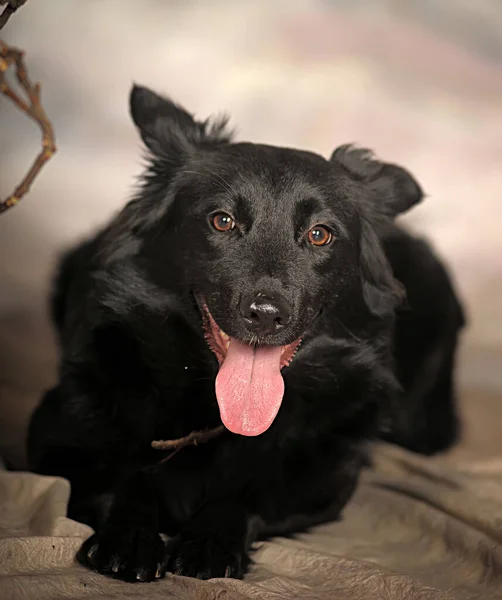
{"x": 249, "y": 388}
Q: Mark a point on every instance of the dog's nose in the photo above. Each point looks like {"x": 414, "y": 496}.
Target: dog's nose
{"x": 264, "y": 315}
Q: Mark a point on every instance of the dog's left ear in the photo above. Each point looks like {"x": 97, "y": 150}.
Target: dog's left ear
{"x": 392, "y": 189}
{"x": 168, "y": 130}
{"x": 388, "y": 190}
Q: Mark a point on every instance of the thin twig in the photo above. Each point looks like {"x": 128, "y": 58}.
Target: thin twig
{"x": 168, "y": 457}
{"x": 10, "y": 9}
{"x": 194, "y": 438}
{"x": 33, "y": 108}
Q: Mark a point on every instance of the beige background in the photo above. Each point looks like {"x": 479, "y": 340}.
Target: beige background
{"x": 419, "y": 82}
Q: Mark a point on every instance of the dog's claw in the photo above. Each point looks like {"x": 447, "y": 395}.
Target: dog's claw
{"x": 129, "y": 555}
{"x": 116, "y": 565}
{"x": 92, "y": 551}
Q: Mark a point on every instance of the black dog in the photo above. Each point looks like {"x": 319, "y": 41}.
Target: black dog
{"x": 255, "y": 286}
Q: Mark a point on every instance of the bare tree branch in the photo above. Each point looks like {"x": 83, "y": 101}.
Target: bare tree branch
{"x": 9, "y": 10}
{"x": 33, "y": 108}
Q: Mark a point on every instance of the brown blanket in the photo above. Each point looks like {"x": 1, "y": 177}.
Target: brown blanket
{"x": 415, "y": 530}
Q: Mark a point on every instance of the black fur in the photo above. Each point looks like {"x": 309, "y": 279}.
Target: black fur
{"x": 135, "y": 365}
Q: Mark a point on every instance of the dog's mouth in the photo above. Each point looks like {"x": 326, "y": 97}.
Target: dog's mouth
{"x": 249, "y": 384}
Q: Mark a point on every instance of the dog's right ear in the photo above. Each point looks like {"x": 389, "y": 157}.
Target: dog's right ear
{"x": 168, "y": 130}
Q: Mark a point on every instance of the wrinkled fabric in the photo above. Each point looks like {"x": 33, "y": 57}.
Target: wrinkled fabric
{"x": 416, "y": 529}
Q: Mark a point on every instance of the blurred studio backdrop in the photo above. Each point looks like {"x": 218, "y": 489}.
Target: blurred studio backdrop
{"x": 419, "y": 82}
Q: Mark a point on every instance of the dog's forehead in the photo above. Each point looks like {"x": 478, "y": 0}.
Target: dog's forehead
{"x": 275, "y": 165}
{"x": 250, "y": 171}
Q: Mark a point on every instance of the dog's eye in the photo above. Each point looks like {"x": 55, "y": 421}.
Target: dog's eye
{"x": 223, "y": 222}
{"x": 319, "y": 235}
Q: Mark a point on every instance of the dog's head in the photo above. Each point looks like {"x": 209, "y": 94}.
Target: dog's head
{"x": 265, "y": 239}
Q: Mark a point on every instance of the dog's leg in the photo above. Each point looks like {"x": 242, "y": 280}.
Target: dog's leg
{"x": 59, "y": 446}
{"x": 69, "y": 439}
{"x": 128, "y": 546}
{"x": 314, "y": 492}
{"x": 214, "y": 543}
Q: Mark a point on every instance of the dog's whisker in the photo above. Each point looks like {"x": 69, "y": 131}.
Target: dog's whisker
{"x": 352, "y": 335}
{"x": 220, "y": 181}
{"x": 224, "y": 182}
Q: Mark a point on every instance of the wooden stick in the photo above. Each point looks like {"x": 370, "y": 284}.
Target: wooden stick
{"x": 34, "y": 109}
{"x": 194, "y": 438}
{"x": 9, "y": 10}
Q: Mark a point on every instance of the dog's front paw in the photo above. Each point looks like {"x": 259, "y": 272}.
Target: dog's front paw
{"x": 130, "y": 555}
{"x": 206, "y": 557}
